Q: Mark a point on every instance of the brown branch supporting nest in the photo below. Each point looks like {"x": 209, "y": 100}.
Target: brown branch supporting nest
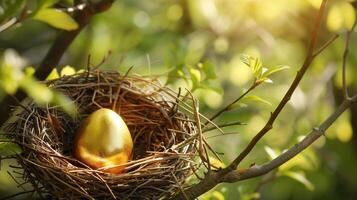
{"x": 165, "y": 139}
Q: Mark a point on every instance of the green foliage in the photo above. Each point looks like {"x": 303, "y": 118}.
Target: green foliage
{"x": 56, "y": 18}
{"x": 42, "y": 11}
{"x": 213, "y": 195}
{"x": 261, "y": 73}
{"x": 13, "y": 78}
{"x": 341, "y": 16}
{"x": 8, "y": 148}
{"x": 201, "y": 76}
{"x": 201, "y": 43}
{"x": 10, "y": 8}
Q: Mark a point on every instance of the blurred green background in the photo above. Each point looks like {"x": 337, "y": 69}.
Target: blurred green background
{"x": 169, "y": 38}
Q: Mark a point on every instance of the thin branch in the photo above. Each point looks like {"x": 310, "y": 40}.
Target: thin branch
{"x": 324, "y": 46}
{"x": 344, "y": 60}
{"x": 238, "y": 175}
{"x": 316, "y": 133}
{"x": 62, "y": 42}
{"x": 223, "y": 125}
{"x": 11, "y": 22}
{"x": 227, "y": 107}
{"x": 269, "y": 125}
{"x": 230, "y": 174}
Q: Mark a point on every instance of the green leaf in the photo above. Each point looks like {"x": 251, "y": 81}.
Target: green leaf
{"x": 217, "y": 195}
{"x": 56, "y": 18}
{"x": 195, "y": 77}
{"x": 255, "y": 98}
{"x": 209, "y": 70}
{"x": 29, "y": 71}
{"x": 253, "y": 63}
{"x": 9, "y": 78}
{"x": 42, "y": 95}
{"x": 274, "y": 70}
{"x": 68, "y": 70}
{"x": 300, "y": 177}
{"x": 10, "y": 9}
{"x": 53, "y": 75}
{"x": 9, "y": 149}
{"x": 39, "y": 92}
{"x": 65, "y": 103}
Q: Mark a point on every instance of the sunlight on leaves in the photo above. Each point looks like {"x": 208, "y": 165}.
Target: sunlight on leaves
{"x": 39, "y": 92}
{"x": 252, "y": 98}
{"x": 56, "y": 18}
{"x": 53, "y": 75}
{"x": 195, "y": 77}
{"x": 10, "y": 71}
{"x": 67, "y": 71}
{"x": 254, "y": 63}
{"x": 213, "y": 195}
{"x": 274, "y": 70}
{"x": 29, "y": 71}
{"x": 261, "y": 73}
{"x": 341, "y": 16}
{"x": 216, "y": 163}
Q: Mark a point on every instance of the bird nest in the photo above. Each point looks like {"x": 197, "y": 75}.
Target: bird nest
{"x": 164, "y": 135}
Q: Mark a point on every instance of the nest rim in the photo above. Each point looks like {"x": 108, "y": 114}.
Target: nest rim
{"x": 161, "y": 172}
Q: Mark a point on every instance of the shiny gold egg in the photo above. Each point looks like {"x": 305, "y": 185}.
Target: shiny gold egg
{"x": 104, "y": 140}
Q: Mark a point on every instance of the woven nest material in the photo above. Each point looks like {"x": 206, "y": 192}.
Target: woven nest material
{"x": 164, "y": 139}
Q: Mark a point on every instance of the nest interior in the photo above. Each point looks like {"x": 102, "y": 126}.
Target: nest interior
{"x": 164, "y": 139}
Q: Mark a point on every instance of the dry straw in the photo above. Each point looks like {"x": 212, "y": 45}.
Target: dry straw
{"x": 163, "y": 127}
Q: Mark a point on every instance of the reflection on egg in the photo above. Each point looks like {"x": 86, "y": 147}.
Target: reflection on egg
{"x": 104, "y": 140}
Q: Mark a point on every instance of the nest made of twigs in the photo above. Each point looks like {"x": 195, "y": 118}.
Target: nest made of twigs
{"x": 164, "y": 139}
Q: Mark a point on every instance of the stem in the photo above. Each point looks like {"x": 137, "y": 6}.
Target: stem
{"x": 316, "y": 133}
{"x": 225, "y": 109}
{"x": 344, "y": 61}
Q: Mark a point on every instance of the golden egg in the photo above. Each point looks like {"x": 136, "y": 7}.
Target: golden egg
{"x": 104, "y": 140}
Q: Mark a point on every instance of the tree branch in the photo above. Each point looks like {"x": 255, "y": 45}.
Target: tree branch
{"x": 51, "y": 60}
{"x": 316, "y": 133}
{"x": 216, "y": 177}
{"x": 227, "y": 107}
{"x": 269, "y": 125}
{"x": 344, "y": 60}
{"x": 230, "y": 174}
